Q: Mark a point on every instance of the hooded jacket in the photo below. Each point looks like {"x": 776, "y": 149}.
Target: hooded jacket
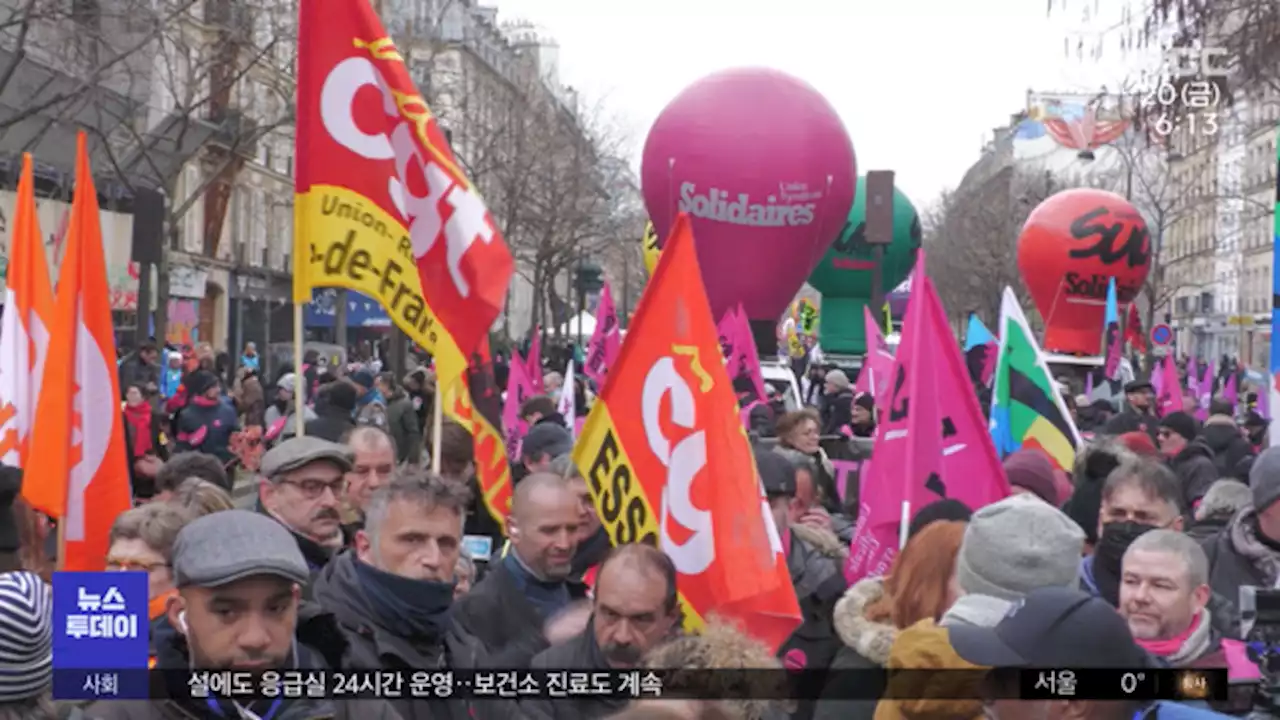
{"x": 927, "y": 646}
{"x": 319, "y": 647}
{"x": 1196, "y": 468}
{"x": 866, "y": 645}
{"x": 1232, "y": 454}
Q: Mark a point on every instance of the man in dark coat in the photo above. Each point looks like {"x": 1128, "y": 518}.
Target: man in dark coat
{"x": 526, "y": 602}
{"x": 635, "y": 608}
{"x": 1232, "y": 453}
{"x": 1139, "y": 400}
{"x": 242, "y": 560}
{"x": 206, "y": 423}
{"x": 335, "y": 409}
{"x": 392, "y": 592}
{"x": 1188, "y": 456}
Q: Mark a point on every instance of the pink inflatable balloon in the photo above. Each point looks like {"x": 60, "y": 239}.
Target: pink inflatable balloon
{"x": 764, "y": 166}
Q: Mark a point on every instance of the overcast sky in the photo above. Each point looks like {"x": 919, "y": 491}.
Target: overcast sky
{"x": 919, "y": 83}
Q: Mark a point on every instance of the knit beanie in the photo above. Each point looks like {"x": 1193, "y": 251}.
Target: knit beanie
{"x": 1264, "y": 479}
{"x": 865, "y": 401}
{"x": 1018, "y": 545}
{"x": 1182, "y": 424}
{"x": 1031, "y": 469}
{"x": 838, "y": 379}
{"x": 1139, "y": 442}
{"x": 26, "y": 645}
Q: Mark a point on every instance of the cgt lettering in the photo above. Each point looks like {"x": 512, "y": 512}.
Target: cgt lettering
{"x": 345, "y": 259}
{"x": 622, "y": 505}
{"x": 1094, "y": 286}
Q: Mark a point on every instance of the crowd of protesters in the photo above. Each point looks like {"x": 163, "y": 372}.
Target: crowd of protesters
{"x": 334, "y": 548}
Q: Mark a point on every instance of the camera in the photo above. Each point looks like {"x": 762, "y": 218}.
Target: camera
{"x": 1260, "y": 630}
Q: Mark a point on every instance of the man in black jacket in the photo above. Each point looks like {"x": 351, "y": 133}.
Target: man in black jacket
{"x": 1188, "y": 456}
{"x": 239, "y": 578}
{"x": 392, "y": 593}
{"x": 635, "y": 608}
{"x": 527, "y": 602}
{"x": 1139, "y": 396}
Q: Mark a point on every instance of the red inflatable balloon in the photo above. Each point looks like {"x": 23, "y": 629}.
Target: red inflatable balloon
{"x": 1071, "y": 246}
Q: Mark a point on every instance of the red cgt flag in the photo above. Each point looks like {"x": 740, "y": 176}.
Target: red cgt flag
{"x": 669, "y": 464}
{"x": 1133, "y": 334}
{"x": 378, "y": 190}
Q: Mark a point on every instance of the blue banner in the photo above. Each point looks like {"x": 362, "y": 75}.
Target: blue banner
{"x": 362, "y": 311}
{"x": 101, "y": 643}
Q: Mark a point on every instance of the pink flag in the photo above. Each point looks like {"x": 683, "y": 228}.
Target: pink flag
{"x": 877, "y": 364}
{"x": 605, "y": 342}
{"x": 1169, "y": 394}
{"x": 931, "y": 442}
{"x": 533, "y": 364}
{"x": 1229, "y": 392}
{"x": 1088, "y": 384}
{"x": 1193, "y": 377}
{"x": 728, "y": 330}
{"x": 519, "y": 389}
{"x": 747, "y": 357}
{"x": 1205, "y": 392}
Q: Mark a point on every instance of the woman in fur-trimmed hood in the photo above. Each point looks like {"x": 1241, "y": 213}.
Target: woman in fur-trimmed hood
{"x": 871, "y": 613}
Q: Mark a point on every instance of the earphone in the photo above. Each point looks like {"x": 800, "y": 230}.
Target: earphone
{"x": 182, "y": 621}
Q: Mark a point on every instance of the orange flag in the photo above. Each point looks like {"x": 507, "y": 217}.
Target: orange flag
{"x": 669, "y": 464}
{"x": 24, "y": 334}
{"x": 77, "y": 471}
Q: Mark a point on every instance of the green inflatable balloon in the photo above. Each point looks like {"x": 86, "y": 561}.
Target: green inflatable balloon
{"x": 844, "y": 274}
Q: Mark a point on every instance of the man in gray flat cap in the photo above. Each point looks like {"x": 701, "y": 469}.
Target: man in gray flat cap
{"x": 239, "y": 576}
{"x": 302, "y": 484}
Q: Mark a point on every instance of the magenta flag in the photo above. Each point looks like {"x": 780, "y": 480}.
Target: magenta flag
{"x": 931, "y": 440}
{"x": 728, "y": 330}
{"x": 519, "y": 389}
{"x": 1088, "y": 384}
{"x": 605, "y": 342}
{"x": 877, "y": 364}
{"x": 533, "y": 364}
{"x": 1169, "y": 391}
{"x": 1205, "y": 392}
{"x": 748, "y": 356}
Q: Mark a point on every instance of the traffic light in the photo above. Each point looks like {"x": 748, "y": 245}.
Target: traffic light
{"x": 589, "y": 278}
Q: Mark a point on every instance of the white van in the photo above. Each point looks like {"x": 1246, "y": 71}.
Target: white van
{"x": 777, "y": 374}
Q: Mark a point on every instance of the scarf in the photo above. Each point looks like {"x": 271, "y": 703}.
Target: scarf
{"x": 1245, "y": 540}
{"x": 1183, "y": 648}
{"x": 976, "y": 610}
{"x": 547, "y": 597}
{"x": 139, "y": 419}
{"x": 159, "y": 604}
{"x": 412, "y": 609}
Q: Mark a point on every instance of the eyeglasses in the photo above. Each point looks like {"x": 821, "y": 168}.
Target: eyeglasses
{"x": 312, "y": 489}
{"x": 116, "y": 565}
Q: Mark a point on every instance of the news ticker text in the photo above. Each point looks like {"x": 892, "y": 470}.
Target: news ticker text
{"x": 1090, "y": 684}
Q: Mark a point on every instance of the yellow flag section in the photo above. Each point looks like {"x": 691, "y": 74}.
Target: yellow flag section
{"x": 354, "y": 184}
{"x": 650, "y": 245}
{"x": 669, "y": 464}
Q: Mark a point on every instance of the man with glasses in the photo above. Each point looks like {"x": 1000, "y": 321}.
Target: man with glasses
{"x": 142, "y": 539}
{"x": 302, "y": 485}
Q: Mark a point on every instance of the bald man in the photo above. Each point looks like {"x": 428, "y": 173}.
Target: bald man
{"x": 528, "y": 601}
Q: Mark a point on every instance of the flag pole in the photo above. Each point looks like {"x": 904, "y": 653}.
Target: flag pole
{"x": 437, "y": 426}
{"x": 299, "y": 378}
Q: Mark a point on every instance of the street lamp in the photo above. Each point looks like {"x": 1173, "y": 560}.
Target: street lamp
{"x": 588, "y": 278}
